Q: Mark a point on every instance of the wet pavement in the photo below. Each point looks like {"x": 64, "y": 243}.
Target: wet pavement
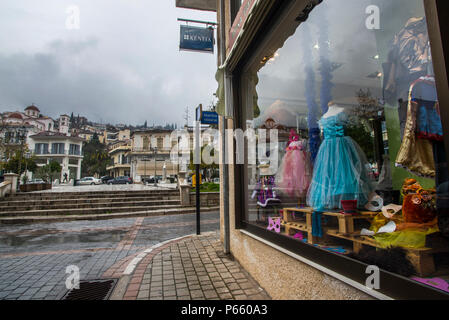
{"x": 34, "y": 257}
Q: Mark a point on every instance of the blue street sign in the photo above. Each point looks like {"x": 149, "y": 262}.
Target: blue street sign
{"x": 197, "y": 39}
{"x": 209, "y": 117}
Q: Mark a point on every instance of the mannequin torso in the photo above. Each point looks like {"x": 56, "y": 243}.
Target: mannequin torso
{"x": 333, "y": 111}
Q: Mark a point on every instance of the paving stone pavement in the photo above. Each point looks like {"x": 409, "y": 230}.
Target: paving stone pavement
{"x": 34, "y": 257}
{"x": 191, "y": 268}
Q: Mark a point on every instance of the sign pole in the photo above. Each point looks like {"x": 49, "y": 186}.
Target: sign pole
{"x": 197, "y": 161}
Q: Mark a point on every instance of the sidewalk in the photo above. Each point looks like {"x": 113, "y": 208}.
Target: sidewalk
{"x": 189, "y": 268}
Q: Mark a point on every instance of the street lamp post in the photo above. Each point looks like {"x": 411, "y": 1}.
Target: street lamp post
{"x": 155, "y": 164}
{"x": 21, "y": 135}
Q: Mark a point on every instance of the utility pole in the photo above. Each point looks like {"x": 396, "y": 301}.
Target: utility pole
{"x": 155, "y": 163}
{"x": 197, "y": 162}
{"x": 186, "y": 117}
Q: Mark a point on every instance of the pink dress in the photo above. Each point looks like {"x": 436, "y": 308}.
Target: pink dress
{"x": 295, "y": 173}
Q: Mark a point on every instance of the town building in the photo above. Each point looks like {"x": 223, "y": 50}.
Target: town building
{"x": 13, "y": 138}
{"x": 150, "y": 154}
{"x": 120, "y": 155}
{"x": 172, "y": 150}
{"x": 30, "y": 117}
{"x": 64, "y": 149}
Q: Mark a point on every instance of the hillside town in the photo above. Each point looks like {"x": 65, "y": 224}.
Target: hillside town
{"x": 129, "y": 150}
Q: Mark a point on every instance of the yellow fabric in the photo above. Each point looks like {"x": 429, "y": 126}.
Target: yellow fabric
{"x": 409, "y": 238}
{"x": 378, "y": 222}
{"x": 415, "y": 155}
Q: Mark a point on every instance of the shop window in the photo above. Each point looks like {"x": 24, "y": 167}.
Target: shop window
{"x": 350, "y": 153}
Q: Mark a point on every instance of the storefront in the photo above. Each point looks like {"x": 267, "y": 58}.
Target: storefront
{"x": 343, "y": 188}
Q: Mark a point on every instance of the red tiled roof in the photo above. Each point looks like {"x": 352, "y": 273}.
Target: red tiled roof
{"x": 15, "y": 115}
{"x": 32, "y": 107}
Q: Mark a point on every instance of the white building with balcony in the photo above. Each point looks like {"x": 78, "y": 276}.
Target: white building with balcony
{"x": 64, "y": 149}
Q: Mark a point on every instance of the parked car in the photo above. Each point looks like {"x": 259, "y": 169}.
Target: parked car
{"x": 89, "y": 181}
{"x": 105, "y": 179}
{"x": 36, "y": 181}
{"x": 121, "y": 180}
{"x": 149, "y": 180}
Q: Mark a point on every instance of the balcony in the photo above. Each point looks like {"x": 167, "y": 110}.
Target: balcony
{"x": 150, "y": 151}
{"x": 58, "y": 153}
{"x": 119, "y": 166}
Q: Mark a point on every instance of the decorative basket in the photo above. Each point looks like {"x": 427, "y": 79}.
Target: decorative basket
{"x": 349, "y": 206}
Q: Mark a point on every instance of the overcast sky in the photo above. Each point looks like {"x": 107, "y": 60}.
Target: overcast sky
{"x": 122, "y": 66}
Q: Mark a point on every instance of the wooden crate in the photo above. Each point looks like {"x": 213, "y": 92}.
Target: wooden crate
{"x": 421, "y": 258}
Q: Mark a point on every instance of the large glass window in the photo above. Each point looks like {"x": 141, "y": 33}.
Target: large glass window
{"x": 57, "y": 148}
{"x": 75, "y": 149}
{"x": 41, "y": 148}
{"x": 350, "y": 142}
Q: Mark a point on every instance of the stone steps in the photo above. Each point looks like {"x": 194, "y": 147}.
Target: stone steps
{"x": 83, "y": 195}
{"x": 63, "y": 201}
{"x": 65, "y": 206}
{"x": 79, "y": 204}
{"x": 147, "y": 213}
{"x": 85, "y": 211}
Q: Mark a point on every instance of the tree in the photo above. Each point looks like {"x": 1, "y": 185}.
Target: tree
{"x": 210, "y": 169}
{"x": 95, "y": 158}
{"x": 49, "y": 172}
{"x": 18, "y": 164}
{"x": 72, "y": 118}
{"x": 95, "y": 138}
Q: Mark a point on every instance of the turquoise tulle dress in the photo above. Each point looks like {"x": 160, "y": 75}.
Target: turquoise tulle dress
{"x": 340, "y": 169}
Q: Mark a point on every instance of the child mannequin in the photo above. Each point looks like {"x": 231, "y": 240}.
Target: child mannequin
{"x": 334, "y": 109}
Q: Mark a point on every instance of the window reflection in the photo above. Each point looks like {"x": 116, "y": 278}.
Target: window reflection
{"x": 362, "y": 166}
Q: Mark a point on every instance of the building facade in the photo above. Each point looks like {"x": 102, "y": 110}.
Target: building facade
{"x": 150, "y": 154}
{"x": 66, "y": 150}
{"x": 121, "y": 164}
{"x": 317, "y": 69}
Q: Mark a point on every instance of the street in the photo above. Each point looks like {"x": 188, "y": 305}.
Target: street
{"x": 34, "y": 257}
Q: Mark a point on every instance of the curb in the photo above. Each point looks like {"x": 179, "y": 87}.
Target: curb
{"x": 38, "y": 219}
{"x": 126, "y": 277}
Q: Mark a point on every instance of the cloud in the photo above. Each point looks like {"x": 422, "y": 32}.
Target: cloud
{"x": 122, "y": 66}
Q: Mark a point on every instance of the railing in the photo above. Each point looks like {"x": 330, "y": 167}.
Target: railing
{"x": 159, "y": 150}
{"x": 5, "y": 188}
{"x": 65, "y": 153}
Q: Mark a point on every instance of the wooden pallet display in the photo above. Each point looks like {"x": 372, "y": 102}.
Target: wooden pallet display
{"x": 291, "y": 225}
{"x": 346, "y": 221}
{"x": 421, "y": 258}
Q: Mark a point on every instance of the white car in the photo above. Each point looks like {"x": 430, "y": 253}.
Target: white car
{"x": 89, "y": 181}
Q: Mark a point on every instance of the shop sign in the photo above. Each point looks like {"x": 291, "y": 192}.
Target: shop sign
{"x": 240, "y": 19}
{"x": 197, "y": 39}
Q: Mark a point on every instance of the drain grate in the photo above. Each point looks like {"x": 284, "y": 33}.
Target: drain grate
{"x": 92, "y": 290}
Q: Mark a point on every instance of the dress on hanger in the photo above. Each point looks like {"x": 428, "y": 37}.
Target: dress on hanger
{"x": 340, "y": 171}
{"x": 294, "y": 174}
{"x": 422, "y": 128}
